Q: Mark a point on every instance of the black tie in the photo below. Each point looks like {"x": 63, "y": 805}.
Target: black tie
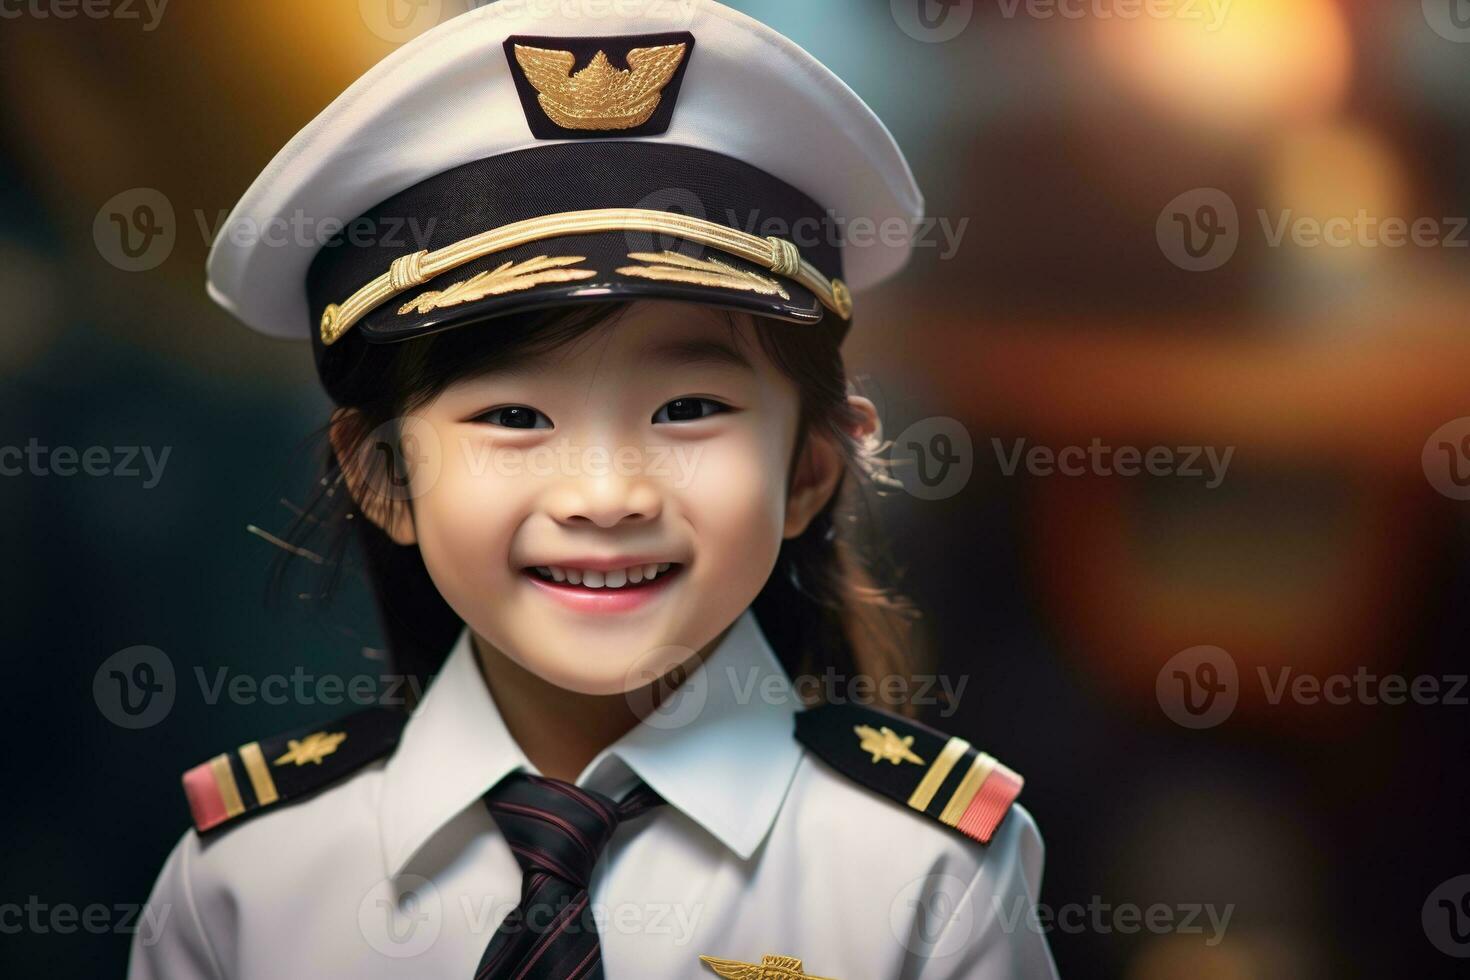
{"x": 557, "y": 832}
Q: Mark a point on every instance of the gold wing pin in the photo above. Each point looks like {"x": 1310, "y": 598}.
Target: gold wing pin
{"x": 673, "y": 267}
{"x": 313, "y": 748}
{"x": 600, "y": 96}
{"x": 769, "y": 968}
{"x": 884, "y": 743}
{"x": 509, "y": 278}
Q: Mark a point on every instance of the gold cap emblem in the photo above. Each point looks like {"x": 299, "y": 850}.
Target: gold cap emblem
{"x": 600, "y": 97}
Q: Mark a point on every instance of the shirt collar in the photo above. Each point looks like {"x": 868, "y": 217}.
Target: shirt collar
{"x": 721, "y": 750}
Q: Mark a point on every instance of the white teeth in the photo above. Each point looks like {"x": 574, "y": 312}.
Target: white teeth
{"x": 616, "y": 579}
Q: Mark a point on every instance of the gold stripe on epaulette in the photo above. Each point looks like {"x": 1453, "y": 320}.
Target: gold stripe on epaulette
{"x": 923, "y": 794}
{"x": 224, "y": 778}
{"x": 980, "y": 770}
{"x": 259, "y": 773}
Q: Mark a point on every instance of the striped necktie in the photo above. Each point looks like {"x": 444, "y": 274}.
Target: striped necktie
{"x": 557, "y": 831}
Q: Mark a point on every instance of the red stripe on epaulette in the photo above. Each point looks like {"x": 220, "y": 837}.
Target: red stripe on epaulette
{"x": 991, "y": 804}
{"x": 206, "y": 802}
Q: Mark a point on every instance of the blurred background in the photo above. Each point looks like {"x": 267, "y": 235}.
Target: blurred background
{"x": 1231, "y": 229}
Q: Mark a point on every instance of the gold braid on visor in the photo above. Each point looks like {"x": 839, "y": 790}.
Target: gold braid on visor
{"x": 776, "y": 254}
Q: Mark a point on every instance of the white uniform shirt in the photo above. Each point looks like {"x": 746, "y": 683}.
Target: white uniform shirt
{"x": 399, "y": 870}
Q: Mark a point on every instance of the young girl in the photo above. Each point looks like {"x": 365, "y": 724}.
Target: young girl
{"x": 592, "y": 432}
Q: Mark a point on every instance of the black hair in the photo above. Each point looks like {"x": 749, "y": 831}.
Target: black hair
{"x": 821, "y": 608}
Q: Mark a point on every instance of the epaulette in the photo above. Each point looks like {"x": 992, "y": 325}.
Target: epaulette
{"x": 259, "y": 775}
{"x": 939, "y": 776}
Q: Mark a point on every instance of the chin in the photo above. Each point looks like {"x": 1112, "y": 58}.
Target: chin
{"x": 612, "y": 677}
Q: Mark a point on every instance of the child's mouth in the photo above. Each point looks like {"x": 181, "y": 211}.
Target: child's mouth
{"x": 613, "y": 590}
{"x": 630, "y": 577}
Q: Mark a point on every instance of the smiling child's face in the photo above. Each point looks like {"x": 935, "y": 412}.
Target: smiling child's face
{"x": 600, "y": 513}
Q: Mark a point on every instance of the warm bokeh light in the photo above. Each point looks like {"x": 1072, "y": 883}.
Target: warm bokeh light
{"x": 1344, "y": 179}
{"x": 1235, "y": 64}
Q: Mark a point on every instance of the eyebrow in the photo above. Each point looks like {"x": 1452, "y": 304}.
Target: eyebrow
{"x": 681, "y": 353}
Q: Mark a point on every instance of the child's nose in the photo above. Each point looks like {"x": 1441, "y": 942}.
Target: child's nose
{"x": 605, "y": 500}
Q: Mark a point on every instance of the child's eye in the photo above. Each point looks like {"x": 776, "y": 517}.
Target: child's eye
{"x": 515, "y": 417}
{"x": 689, "y": 410}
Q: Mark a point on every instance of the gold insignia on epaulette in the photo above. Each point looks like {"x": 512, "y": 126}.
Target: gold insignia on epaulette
{"x": 313, "y": 748}
{"x": 769, "y": 968}
{"x": 600, "y": 96}
{"x": 884, "y": 744}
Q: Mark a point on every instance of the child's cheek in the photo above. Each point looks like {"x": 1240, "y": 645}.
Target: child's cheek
{"x": 735, "y": 502}
{"x": 465, "y": 523}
